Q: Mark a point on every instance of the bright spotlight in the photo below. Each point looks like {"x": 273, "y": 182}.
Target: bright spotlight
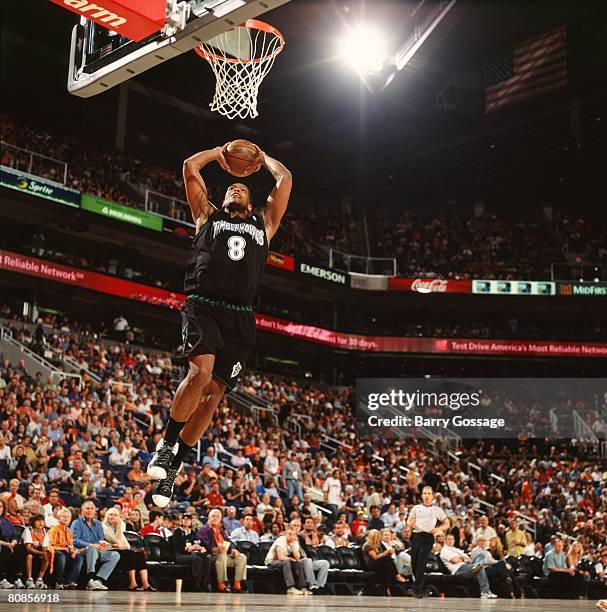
{"x": 364, "y": 48}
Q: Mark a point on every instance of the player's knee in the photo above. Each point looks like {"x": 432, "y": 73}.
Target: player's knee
{"x": 198, "y": 375}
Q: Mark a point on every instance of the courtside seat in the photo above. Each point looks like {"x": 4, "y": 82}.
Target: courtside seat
{"x": 251, "y": 552}
{"x": 134, "y": 539}
{"x": 161, "y": 558}
{"x": 328, "y": 554}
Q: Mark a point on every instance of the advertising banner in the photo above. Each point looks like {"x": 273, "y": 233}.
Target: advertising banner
{"x": 513, "y": 287}
{"x": 430, "y": 285}
{"x": 120, "y": 212}
{"x": 590, "y": 289}
{"x": 131, "y": 18}
{"x": 323, "y": 273}
{"x": 39, "y": 187}
{"x": 395, "y": 344}
{"x": 49, "y": 270}
{"x": 39, "y": 268}
{"x": 278, "y": 260}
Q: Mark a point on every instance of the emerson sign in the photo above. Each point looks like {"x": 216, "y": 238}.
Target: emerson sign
{"x": 323, "y": 273}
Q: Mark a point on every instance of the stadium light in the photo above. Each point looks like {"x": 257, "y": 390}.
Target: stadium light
{"x": 364, "y": 48}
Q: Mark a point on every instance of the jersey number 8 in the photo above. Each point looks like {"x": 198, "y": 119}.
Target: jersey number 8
{"x": 236, "y": 246}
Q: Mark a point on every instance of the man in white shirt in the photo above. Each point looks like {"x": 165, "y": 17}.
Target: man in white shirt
{"x": 332, "y": 491}
{"x": 285, "y": 554}
{"x": 460, "y": 564}
{"x": 423, "y": 521}
{"x": 484, "y": 530}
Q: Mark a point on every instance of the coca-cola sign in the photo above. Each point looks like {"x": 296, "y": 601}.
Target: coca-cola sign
{"x": 430, "y": 285}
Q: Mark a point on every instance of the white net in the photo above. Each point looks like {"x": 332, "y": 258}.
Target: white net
{"x": 240, "y": 60}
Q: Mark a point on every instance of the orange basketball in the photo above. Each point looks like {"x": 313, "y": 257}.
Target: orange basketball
{"x": 240, "y": 154}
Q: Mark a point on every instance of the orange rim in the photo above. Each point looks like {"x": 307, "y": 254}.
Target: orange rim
{"x": 255, "y": 25}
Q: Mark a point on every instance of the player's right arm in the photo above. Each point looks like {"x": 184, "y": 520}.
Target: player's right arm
{"x": 195, "y": 188}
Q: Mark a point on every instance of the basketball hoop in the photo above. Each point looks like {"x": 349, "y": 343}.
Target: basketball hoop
{"x": 240, "y": 59}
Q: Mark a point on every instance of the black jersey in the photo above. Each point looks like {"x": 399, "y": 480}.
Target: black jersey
{"x": 227, "y": 258}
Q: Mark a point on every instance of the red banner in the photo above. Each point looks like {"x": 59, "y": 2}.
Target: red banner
{"x": 89, "y": 280}
{"x": 278, "y": 260}
{"x": 430, "y": 285}
{"x": 393, "y": 344}
{"x": 39, "y": 268}
{"x": 134, "y": 19}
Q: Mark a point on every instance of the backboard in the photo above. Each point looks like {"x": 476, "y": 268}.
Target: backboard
{"x": 101, "y": 59}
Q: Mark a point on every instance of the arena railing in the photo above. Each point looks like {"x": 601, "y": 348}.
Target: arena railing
{"x": 34, "y": 163}
{"x": 168, "y": 207}
{"x": 529, "y": 522}
{"x": 582, "y": 431}
{"x": 48, "y": 368}
{"x": 77, "y": 366}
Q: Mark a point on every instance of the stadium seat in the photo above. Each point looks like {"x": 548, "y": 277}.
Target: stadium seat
{"x": 328, "y": 554}
{"x": 264, "y": 548}
{"x": 251, "y": 552}
{"x": 134, "y": 539}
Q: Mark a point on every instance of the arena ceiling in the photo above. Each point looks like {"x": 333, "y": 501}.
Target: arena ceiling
{"x": 424, "y": 137}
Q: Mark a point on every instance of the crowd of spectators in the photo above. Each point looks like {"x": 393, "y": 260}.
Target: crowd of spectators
{"x": 299, "y": 466}
{"x": 435, "y": 246}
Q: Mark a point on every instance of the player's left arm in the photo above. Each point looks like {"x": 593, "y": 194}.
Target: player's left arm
{"x": 278, "y": 200}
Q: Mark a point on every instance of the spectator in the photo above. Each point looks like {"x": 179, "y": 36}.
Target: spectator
{"x": 380, "y": 560}
{"x": 485, "y": 530}
{"x": 338, "y": 537}
{"x": 291, "y": 473}
{"x": 13, "y": 493}
{"x": 136, "y": 474}
{"x": 516, "y": 540}
{"x": 82, "y": 488}
{"x": 402, "y": 559}
{"x": 563, "y": 578}
{"x": 11, "y": 555}
{"x": 223, "y": 553}
{"x": 286, "y": 555}
{"x": 495, "y": 568}
{"x": 35, "y": 539}
{"x": 375, "y": 521}
{"x": 214, "y": 497}
{"x": 332, "y": 492}
{"x": 211, "y": 458}
{"x": 132, "y": 561}
{"x": 245, "y": 532}
{"x": 66, "y": 563}
{"x": 88, "y": 534}
{"x": 460, "y": 564}
{"x": 230, "y": 522}
{"x": 189, "y": 551}
{"x": 135, "y": 522}
{"x": 155, "y": 525}
{"x": 309, "y": 533}
{"x": 316, "y": 570}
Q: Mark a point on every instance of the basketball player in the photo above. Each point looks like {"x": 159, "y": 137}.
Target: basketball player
{"x": 423, "y": 522}
{"x": 224, "y": 268}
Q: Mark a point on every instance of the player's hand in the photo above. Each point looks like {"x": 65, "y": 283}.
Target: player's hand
{"x": 255, "y": 165}
{"x": 221, "y": 160}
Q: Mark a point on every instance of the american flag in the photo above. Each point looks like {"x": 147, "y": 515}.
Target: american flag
{"x": 532, "y": 68}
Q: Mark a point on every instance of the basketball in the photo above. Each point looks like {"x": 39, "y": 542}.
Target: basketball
{"x": 239, "y": 154}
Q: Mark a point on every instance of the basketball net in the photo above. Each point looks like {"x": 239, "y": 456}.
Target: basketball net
{"x": 240, "y": 59}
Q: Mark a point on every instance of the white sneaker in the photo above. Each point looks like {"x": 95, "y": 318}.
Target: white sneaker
{"x": 30, "y": 584}
{"x": 18, "y": 584}
{"x": 602, "y": 604}
{"x": 488, "y": 595}
{"x": 306, "y": 591}
{"x": 40, "y": 584}
{"x": 5, "y": 584}
{"x": 59, "y": 587}
{"x": 294, "y": 591}
{"x": 315, "y": 587}
{"x": 95, "y": 585}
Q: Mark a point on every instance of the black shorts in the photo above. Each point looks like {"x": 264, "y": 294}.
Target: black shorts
{"x": 215, "y": 329}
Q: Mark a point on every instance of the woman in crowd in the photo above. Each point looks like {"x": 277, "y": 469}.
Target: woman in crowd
{"x": 136, "y": 521}
{"x": 130, "y": 560}
{"x": 11, "y": 553}
{"x": 380, "y": 560}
